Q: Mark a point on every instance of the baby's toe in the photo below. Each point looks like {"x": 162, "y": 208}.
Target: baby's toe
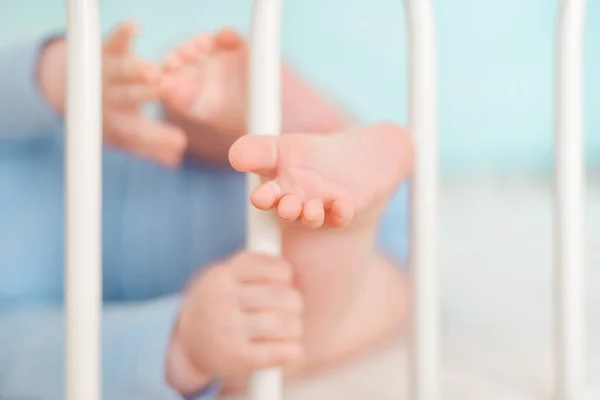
{"x": 172, "y": 62}
{"x": 178, "y": 92}
{"x": 290, "y": 207}
{"x": 341, "y": 213}
{"x": 228, "y": 39}
{"x": 187, "y": 51}
{"x": 254, "y": 153}
{"x": 313, "y": 214}
{"x": 204, "y": 43}
{"x": 266, "y": 196}
{"x": 204, "y": 46}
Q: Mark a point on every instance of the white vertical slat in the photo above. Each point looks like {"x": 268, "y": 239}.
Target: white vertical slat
{"x": 569, "y": 203}
{"x": 83, "y": 273}
{"x": 424, "y": 346}
{"x": 264, "y": 118}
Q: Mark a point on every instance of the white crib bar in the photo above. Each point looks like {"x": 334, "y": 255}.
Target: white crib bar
{"x": 424, "y": 346}
{"x": 569, "y": 202}
{"x": 83, "y": 275}
{"x": 264, "y": 118}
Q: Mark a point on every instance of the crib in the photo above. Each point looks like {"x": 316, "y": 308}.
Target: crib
{"x": 84, "y": 188}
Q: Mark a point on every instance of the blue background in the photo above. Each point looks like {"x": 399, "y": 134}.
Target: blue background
{"x": 495, "y": 64}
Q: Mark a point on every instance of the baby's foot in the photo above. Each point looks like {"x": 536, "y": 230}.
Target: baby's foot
{"x": 325, "y": 179}
{"x": 204, "y": 85}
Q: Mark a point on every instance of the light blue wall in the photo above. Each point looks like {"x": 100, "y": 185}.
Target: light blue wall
{"x": 496, "y": 63}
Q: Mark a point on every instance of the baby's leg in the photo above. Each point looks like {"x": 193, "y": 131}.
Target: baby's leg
{"x": 354, "y": 298}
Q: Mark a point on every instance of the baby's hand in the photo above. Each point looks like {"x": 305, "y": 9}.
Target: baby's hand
{"x": 238, "y": 316}
{"x": 129, "y": 83}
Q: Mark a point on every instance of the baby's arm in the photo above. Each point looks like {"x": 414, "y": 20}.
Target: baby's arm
{"x": 24, "y": 112}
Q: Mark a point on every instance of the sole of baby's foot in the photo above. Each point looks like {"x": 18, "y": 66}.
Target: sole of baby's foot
{"x": 205, "y": 80}
{"x": 326, "y": 180}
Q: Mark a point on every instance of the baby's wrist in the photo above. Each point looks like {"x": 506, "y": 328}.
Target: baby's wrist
{"x": 181, "y": 373}
{"x": 52, "y": 72}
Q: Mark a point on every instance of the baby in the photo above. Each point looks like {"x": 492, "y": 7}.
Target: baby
{"x": 333, "y": 295}
{"x": 327, "y": 181}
